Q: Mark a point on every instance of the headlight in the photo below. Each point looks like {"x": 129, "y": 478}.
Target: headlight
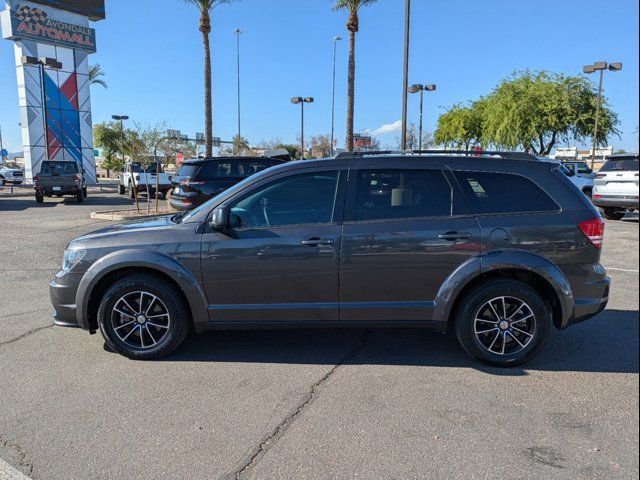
{"x": 72, "y": 258}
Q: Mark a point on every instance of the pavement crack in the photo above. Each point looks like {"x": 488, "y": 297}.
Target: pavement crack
{"x": 252, "y": 458}
{"x": 22, "y": 454}
{"x": 24, "y": 335}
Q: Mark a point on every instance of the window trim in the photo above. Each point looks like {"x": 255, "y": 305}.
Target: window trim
{"x": 338, "y": 203}
{"x": 352, "y": 193}
{"x": 487, "y": 214}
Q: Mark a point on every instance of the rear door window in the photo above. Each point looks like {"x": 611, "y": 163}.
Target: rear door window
{"x": 59, "y": 168}
{"x": 490, "y": 192}
{"x": 395, "y": 194}
{"x": 218, "y": 170}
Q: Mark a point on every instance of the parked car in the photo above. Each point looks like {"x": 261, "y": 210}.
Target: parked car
{"x": 14, "y": 176}
{"x": 498, "y": 250}
{"x": 616, "y": 186}
{"x": 203, "y": 179}
{"x": 582, "y": 180}
{"x": 134, "y": 174}
{"x": 60, "y": 178}
{"x": 576, "y": 168}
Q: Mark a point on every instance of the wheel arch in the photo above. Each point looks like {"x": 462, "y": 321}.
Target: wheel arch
{"x": 117, "y": 265}
{"x": 546, "y": 278}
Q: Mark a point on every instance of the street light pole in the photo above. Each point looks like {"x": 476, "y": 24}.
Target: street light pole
{"x": 121, "y": 119}
{"x": 302, "y": 101}
{"x": 237, "y": 31}
{"x": 333, "y": 92}
{"x": 2, "y": 157}
{"x": 600, "y": 67}
{"x": 421, "y": 88}
{"x": 405, "y": 72}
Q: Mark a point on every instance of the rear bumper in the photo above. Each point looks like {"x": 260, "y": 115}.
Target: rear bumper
{"x": 180, "y": 203}
{"x": 596, "y": 302}
{"x": 64, "y": 190}
{"x": 623, "y": 201}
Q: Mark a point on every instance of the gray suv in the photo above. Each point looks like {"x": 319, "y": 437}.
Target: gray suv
{"x": 496, "y": 247}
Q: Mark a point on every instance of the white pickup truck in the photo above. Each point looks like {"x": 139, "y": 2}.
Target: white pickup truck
{"x": 133, "y": 174}
{"x": 11, "y": 175}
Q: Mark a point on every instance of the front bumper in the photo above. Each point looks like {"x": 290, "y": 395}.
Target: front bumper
{"x": 62, "y": 291}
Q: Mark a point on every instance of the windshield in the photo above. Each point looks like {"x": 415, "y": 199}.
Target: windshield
{"x": 136, "y": 167}
{"x": 59, "y": 168}
{"x": 626, "y": 164}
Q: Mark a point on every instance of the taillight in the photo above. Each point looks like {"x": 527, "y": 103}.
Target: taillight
{"x": 35, "y": 178}
{"x": 597, "y": 197}
{"x": 76, "y": 177}
{"x": 594, "y": 231}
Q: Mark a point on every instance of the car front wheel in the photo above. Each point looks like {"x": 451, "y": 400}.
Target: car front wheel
{"x": 143, "y": 318}
{"x": 503, "y": 323}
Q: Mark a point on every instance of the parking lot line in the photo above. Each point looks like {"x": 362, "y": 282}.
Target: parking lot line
{"x": 622, "y": 270}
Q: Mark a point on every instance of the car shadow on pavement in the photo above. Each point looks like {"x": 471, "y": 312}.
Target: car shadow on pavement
{"x": 607, "y": 343}
{"x": 98, "y": 200}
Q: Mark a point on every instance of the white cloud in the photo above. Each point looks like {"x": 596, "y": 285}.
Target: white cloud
{"x": 394, "y": 127}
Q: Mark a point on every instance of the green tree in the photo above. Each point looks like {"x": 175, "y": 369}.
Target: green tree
{"x": 205, "y": 7}
{"x": 320, "y": 146}
{"x": 107, "y": 137}
{"x": 95, "y": 76}
{"x": 353, "y": 25}
{"x": 535, "y": 110}
{"x": 461, "y": 126}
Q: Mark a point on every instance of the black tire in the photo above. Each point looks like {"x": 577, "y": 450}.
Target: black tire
{"x": 121, "y": 189}
{"x": 79, "y": 196}
{"x": 85, "y": 192}
{"x": 3, "y": 181}
{"x": 588, "y": 193}
{"x": 39, "y": 197}
{"x": 472, "y": 307}
{"x": 178, "y": 324}
{"x": 132, "y": 194}
{"x": 613, "y": 213}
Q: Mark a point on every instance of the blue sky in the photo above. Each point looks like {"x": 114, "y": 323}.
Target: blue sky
{"x": 151, "y": 53}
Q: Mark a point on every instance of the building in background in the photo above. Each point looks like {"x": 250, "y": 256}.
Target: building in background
{"x": 573, "y": 154}
{"x": 53, "y": 41}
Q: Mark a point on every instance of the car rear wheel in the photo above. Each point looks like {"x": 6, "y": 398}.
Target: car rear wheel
{"x": 85, "y": 192}
{"x": 39, "y": 197}
{"x": 612, "y": 213}
{"x": 79, "y": 196}
{"x": 121, "y": 189}
{"x": 143, "y": 318}
{"x": 502, "y": 323}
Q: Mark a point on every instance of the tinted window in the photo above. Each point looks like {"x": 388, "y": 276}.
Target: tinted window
{"x": 187, "y": 170}
{"x": 136, "y": 167}
{"x": 503, "y": 193}
{"x": 300, "y": 199}
{"x": 247, "y": 169}
{"x": 583, "y": 168}
{"x": 627, "y": 164}
{"x": 392, "y": 194}
{"x": 213, "y": 170}
{"x": 59, "y": 168}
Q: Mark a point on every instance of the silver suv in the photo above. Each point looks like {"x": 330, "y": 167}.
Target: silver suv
{"x": 615, "y": 188}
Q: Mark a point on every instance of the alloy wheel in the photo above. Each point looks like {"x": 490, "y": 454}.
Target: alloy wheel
{"x": 140, "y": 320}
{"x": 504, "y": 325}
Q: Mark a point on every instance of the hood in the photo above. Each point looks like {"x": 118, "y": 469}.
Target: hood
{"x": 134, "y": 227}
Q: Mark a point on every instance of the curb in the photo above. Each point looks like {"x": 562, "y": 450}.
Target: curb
{"x": 118, "y": 217}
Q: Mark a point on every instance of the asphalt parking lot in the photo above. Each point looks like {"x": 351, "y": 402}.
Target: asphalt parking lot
{"x": 304, "y": 404}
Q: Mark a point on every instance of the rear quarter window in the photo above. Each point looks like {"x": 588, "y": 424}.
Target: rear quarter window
{"x": 489, "y": 192}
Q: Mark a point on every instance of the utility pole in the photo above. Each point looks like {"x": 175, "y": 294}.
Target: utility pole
{"x": 2, "y": 156}
{"x": 237, "y": 31}
{"x": 405, "y": 73}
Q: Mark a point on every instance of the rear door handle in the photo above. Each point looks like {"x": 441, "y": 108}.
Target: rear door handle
{"x": 454, "y": 236}
{"x": 316, "y": 242}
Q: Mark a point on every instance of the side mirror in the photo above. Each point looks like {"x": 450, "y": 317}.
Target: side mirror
{"x": 220, "y": 218}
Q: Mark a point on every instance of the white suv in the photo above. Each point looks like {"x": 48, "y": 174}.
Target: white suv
{"x": 615, "y": 188}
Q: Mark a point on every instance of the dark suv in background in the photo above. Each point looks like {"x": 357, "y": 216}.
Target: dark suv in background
{"x": 199, "y": 180}
{"x": 498, "y": 247}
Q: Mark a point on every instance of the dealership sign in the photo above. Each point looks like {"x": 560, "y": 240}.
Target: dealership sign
{"x": 32, "y": 23}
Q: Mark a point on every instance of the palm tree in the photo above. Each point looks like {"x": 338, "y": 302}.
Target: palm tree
{"x": 95, "y": 74}
{"x": 353, "y": 26}
{"x": 205, "y": 7}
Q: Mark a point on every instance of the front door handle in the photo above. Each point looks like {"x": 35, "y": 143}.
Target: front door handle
{"x": 454, "y": 236}
{"x": 316, "y": 242}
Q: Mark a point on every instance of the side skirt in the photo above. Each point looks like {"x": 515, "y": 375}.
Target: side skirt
{"x": 255, "y": 325}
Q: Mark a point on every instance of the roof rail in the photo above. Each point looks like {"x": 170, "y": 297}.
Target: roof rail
{"x": 465, "y": 153}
